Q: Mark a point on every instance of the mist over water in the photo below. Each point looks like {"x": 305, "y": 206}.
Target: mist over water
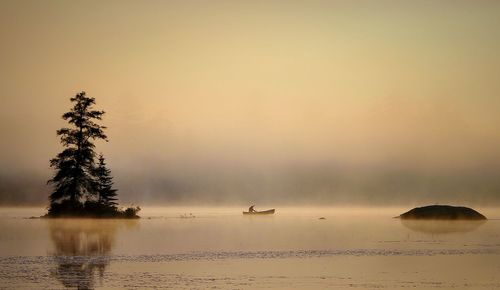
{"x": 186, "y": 247}
{"x": 340, "y": 115}
{"x": 176, "y": 230}
{"x": 297, "y": 185}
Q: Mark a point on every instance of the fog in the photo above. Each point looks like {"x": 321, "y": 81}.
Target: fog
{"x": 325, "y": 102}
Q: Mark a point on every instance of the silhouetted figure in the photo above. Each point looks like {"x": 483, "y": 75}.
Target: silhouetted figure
{"x": 251, "y": 209}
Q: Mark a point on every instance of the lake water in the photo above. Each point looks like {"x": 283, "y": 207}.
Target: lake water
{"x": 201, "y": 247}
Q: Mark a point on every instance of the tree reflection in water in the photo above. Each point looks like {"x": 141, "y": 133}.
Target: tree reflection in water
{"x": 82, "y": 249}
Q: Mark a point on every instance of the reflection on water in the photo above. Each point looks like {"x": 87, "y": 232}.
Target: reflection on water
{"x": 82, "y": 249}
{"x": 441, "y": 226}
{"x": 351, "y": 248}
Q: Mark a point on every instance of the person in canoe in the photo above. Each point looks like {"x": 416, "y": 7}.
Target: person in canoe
{"x": 252, "y": 211}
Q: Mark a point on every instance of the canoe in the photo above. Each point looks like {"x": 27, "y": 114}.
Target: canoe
{"x": 270, "y": 211}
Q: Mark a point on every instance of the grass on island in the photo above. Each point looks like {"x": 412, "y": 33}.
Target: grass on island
{"x": 90, "y": 209}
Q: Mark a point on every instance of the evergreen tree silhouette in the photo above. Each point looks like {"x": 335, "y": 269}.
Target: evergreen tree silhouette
{"x": 74, "y": 180}
{"x": 107, "y": 194}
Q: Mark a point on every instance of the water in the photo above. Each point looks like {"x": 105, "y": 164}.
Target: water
{"x": 359, "y": 248}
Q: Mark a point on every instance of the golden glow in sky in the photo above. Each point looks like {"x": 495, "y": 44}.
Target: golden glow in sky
{"x": 228, "y": 85}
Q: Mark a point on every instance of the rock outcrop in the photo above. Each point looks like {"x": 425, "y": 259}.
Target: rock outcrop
{"x": 443, "y": 212}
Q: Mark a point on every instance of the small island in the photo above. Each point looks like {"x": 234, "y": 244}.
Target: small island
{"x": 442, "y": 212}
{"x": 82, "y": 183}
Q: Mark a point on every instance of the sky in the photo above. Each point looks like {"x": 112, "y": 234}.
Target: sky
{"x": 268, "y": 102}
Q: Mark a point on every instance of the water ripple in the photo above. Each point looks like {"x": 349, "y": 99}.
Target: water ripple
{"x": 243, "y": 255}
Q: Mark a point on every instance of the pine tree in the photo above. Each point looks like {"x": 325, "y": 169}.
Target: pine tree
{"x": 74, "y": 180}
{"x": 107, "y": 195}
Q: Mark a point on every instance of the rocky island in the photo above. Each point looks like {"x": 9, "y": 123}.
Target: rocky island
{"x": 442, "y": 212}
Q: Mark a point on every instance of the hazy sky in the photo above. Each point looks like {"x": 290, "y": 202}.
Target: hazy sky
{"x": 260, "y": 101}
